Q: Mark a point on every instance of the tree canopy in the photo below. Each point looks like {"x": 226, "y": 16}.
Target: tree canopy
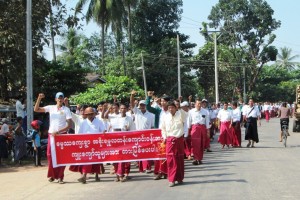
{"x": 144, "y": 32}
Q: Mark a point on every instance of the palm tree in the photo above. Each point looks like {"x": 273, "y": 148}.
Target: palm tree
{"x": 103, "y": 12}
{"x": 286, "y": 59}
{"x": 71, "y": 41}
{"x": 129, "y": 5}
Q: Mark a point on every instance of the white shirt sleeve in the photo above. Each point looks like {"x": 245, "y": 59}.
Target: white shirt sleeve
{"x": 207, "y": 120}
{"x": 68, "y": 113}
{"x": 47, "y": 108}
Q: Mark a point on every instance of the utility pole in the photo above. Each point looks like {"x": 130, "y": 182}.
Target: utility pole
{"x": 29, "y": 99}
{"x": 216, "y": 64}
{"x": 179, "y": 76}
{"x": 216, "y": 69}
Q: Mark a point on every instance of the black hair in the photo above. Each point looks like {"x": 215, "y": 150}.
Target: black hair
{"x": 117, "y": 104}
{"x": 234, "y": 103}
{"x": 123, "y": 104}
{"x": 102, "y": 103}
{"x": 19, "y": 119}
{"x": 171, "y": 103}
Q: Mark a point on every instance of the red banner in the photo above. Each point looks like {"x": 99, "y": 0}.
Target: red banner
{"x": 107, "y": 148}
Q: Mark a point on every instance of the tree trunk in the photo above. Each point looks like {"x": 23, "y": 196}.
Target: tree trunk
{"x": 51, "y": 31}
{"x": 129, "y": 25}
{"x": 102, "y": 44}
{"x": 4, "y": 83}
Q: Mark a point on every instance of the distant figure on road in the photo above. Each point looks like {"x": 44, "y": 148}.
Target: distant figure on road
{"x": 251, "y": 115}
{"x": 284, "y": 113}
{"x": 225, "y": 117}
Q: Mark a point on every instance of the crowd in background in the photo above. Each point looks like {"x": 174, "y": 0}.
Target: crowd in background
{"x": 200, "y": 121}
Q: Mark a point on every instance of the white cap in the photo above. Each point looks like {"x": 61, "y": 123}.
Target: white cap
{"x": 185, "y": 103}
{"x": 142, "y": 102}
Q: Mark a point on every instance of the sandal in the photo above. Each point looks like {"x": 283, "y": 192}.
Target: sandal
{"x": 117, "y": 179}
{"x": 60, "y": 181}
{"x": 171, "y": 184}
{"x": 51, "y": 180}
{"x": 123, "y": 179}
{"x": 158, "y": 176}
{"x": 97, "y": 179}
{"x": 82, "y": 180}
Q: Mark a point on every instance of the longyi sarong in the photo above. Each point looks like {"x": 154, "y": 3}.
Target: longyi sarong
{"x": 175, "y": 158}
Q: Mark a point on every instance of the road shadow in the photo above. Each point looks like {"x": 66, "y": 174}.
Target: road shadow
{"x": 214, "y": 181}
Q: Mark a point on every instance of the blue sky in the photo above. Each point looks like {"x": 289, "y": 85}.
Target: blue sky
{"x": 196, "y": 11}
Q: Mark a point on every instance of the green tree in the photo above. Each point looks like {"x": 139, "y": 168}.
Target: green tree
{"x": 228, "y": 69}
{"x": 104, "y": 13}
{"x": 154, "y": 33}
{"x": 247, "y": 25}
{"x": 71, "y": 41}
{"x": 120, "y": 86}
{"x": 13, "y": 43}
{"x": 285, "y": 59}
{"x": 129, "y": 4}
{"x": 52, "y": 77}
{"x": 276, "y": 84}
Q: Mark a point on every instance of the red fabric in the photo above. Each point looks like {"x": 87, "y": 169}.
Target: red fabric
{"x": 58, "y": 172}
{"x": 122, "y": 168}
{"x": 272, "y": 113}
{"x": 198, "y": 135}
{"x": 144, "y": 165}
{"x": 207, "y": 142}
{"x": 237, "y": 135}
{"x": 127, "y": 168}
{"x": 175, "y": 158}
{"x": 267, "y": 115}
{"x": 160, "y": 166}
{"x": 188, "y": 146}
{"x": 225, "y": 137}
{"x": 75, "y": 168}
{"x": 85, "y": 169}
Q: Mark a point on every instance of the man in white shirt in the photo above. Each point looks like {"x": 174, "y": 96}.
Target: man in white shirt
{"x": 143, "y": 120}
{"x": 225, "y": 117}
{"x": 77, "y": 117}
{"x": 251, "y": 115}
{"x": 172, "y": 128}
{"x": 21, "y": 112}
{"x": 60, "y": 122}
{"x": 91, "y": 125}
{"x": 4, "y": 132}
{"x": 122, "y": 169}
{"x": 207, "y": 139}
{"x": 213, "y": 120}
{"x": 187, "y": 136}
{"x": 160, "y": 166}
{"x": 198, "y": 124}
{"x": 236, "y": 117}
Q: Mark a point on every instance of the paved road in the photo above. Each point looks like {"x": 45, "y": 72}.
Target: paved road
{"x": 268, "y": 171}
